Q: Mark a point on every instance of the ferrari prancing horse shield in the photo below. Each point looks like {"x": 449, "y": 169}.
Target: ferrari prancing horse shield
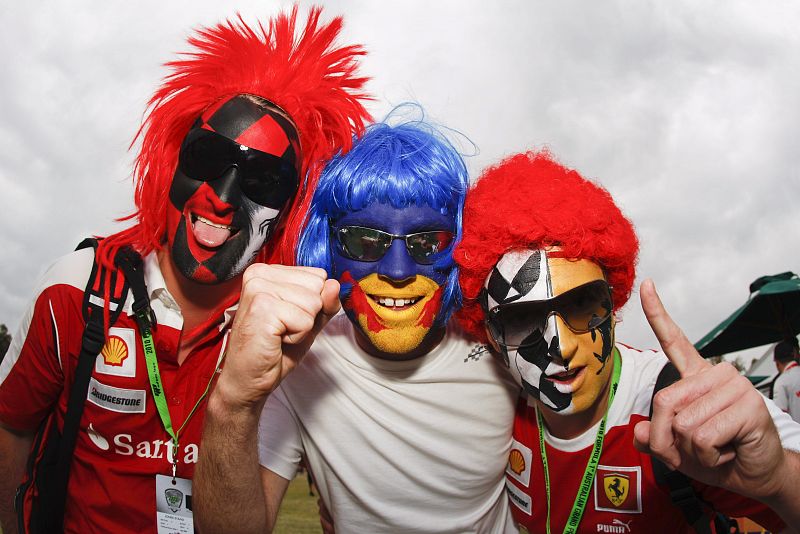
{"x": 618, "y": 489}
{"x": 616, "y": 486}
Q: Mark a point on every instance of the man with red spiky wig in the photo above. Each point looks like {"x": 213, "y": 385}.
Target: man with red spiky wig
{"x": 231, "y": 150}
{"x": 543, "y": 279}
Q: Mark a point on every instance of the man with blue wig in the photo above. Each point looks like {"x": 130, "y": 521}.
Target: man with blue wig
{"x": 404, "y": 424}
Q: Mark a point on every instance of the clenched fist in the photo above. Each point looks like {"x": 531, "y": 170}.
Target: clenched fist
{"x": 281, "y": 310}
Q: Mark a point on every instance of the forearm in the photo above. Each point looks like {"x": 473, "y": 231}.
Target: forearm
{"x": 786, "y": 502}
{"x": 228, "y": 493}
{"x": 14, "y": 448}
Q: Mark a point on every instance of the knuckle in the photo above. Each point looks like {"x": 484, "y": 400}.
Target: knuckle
{"x": 681, "y": 425}
{"x": 262, "y": 302}
{"x": 664, "y": 399}
{"x": 702, "y": 439}
{"x": 727, "y": 369}
{"x": 254, "y": 270}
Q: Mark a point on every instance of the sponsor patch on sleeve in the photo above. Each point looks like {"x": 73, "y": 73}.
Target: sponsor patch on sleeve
{"x": 116, "y": 399}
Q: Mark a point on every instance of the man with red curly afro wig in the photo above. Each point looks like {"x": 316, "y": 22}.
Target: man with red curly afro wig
{"x": 543, "y": 278}
{"x": 231, "y": 150}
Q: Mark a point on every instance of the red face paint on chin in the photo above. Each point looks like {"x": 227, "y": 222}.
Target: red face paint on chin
{"x": 205, "y": 203}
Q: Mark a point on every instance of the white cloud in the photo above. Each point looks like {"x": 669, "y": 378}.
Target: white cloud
{"x": 686, "y": 111}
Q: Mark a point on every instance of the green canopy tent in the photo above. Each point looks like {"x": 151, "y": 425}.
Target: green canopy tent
{"x": 771, "y": 314}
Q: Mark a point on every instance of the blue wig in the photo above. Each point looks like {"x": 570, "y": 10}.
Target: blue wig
{"x": 411, "y": 163}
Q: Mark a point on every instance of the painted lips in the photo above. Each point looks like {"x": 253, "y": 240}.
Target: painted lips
{"x": 568, "y": 381}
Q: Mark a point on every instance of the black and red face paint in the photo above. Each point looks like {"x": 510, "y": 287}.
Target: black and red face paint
{"x": 238, "y": 169}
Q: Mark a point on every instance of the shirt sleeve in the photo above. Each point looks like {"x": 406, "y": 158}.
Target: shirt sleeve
{"x": 31, "y": 377}
{"x": 280, "y": 445}
{"x": 788, "y": 429}
{"x": 780, "y": 393}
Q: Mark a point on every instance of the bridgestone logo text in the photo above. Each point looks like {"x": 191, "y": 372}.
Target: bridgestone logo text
{"x": 115, "y": 400}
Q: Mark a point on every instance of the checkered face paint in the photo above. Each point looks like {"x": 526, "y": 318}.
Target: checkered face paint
{"x": 563, "y": 369}
{"x": 237, "y": 171}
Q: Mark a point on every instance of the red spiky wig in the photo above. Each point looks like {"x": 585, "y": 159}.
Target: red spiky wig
{"x": 303, "y": 72}
{"x": 529, "y": 201}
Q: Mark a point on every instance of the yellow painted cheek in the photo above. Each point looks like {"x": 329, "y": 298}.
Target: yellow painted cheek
{"x": 594, "y": 383}
{"x": 589, "y": 392}
{"x": 395, "y": 340}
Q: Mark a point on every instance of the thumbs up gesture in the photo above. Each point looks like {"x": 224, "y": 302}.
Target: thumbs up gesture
{"x": 714, "y": 426}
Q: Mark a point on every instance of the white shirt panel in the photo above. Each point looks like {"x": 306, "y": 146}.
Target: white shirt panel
{"x": 415, "y": 446}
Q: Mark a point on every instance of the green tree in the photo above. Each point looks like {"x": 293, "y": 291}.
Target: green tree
{"x": 5, "y": 340}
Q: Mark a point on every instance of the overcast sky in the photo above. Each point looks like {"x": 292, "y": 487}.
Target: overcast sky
{"x": 687, "y": 112}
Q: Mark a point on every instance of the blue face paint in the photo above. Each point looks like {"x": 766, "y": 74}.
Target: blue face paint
{"x": 394, "y": 301}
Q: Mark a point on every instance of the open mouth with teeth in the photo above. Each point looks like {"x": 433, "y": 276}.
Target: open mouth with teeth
{"x": 395, "y": 303}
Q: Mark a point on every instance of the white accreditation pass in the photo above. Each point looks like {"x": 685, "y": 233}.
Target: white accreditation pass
{"x": 174, "y": 505}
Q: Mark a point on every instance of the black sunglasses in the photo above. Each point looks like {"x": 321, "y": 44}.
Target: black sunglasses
{"x": 583, "y": 308}
{"x": 265, "y": 179}
{"x": 367, "y": 244}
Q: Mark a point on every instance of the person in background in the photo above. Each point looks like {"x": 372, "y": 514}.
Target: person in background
{"x": 786, "y": 389}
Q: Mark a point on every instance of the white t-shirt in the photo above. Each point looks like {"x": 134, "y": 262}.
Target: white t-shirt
{"x": 414, "y": 446}
{"x": 786, "y": 391}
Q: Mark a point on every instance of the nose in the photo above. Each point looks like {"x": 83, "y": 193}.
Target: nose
{"x": 567, "y": 339}
{"x": 397, "y": 264}
{"x": 227, "y": 187}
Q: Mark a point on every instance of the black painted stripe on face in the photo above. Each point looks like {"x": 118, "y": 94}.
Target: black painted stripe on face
{"x": 235, "y": 116}
{"x": 528, "y": 274}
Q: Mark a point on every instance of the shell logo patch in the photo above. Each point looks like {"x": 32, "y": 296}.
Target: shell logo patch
{"x": 516, "y": 462}
{"x": 118, "y": 355}
{"x": 519, "y": 463}
{"x": 114, "y": 351}
{"x": 618, "y": 489}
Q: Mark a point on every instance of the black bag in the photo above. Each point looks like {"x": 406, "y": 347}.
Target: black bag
{"x": 43, "y": 494}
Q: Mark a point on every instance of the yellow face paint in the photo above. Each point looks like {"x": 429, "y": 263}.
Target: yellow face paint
{"x": 581, "y": 351}
{"x": 395, "y": 317}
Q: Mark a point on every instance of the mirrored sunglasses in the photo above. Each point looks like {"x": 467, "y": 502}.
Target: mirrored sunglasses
{"x": 582, "y": 308}
{"x": 367, "y": 244}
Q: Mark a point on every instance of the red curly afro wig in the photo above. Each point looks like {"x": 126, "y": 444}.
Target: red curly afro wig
{"x": 529, "y": 201}
{"x": 303, "y": 72}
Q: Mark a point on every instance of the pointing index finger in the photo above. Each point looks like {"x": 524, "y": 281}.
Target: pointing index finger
{"x": 673, "y": 341}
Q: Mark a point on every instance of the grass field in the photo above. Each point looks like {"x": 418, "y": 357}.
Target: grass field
{"x": 299, "y": 513}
